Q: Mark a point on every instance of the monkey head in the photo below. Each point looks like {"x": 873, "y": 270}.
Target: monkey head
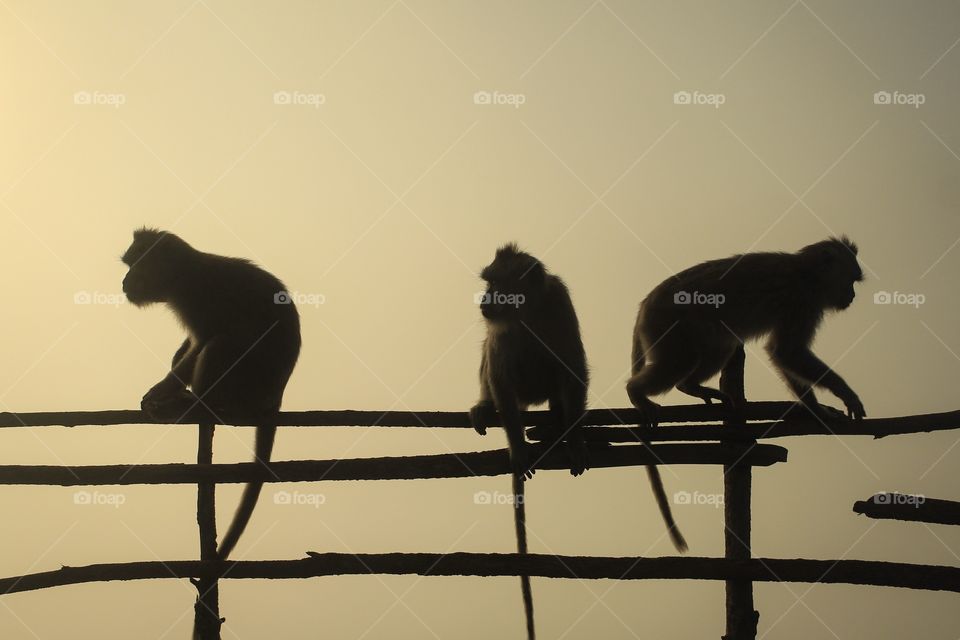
{"x": 515, "y": 281}
{"x": 153, "y": 260}
{"x": 833, "y": 267}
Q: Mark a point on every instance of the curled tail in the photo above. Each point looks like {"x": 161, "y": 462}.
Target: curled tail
{"x": 656, "y": 484}
{"x": 520, "y": 524}
{"x": 262, "y": 448}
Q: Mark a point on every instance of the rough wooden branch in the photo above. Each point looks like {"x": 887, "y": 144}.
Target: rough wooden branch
{"x": 442, "y": 419}
{"x": 447, "y": 465}
{"x": 742, "y": 619}
{"x": 899, "y": 506}
{"x": 768, "y": 413}
{"x": 206, "y": 609}
{"x": 861, "y": 572}
{"x": 791, "y": 426}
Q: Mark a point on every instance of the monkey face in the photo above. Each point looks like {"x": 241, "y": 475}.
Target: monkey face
{"x": 139, "y": 290}
{"x": 501, "y": 303}
{"x": 153, "y": 258}
{"x": 514, "y": 282}
{"x": 833, "y": 264}
{"x": 840, "y": 290}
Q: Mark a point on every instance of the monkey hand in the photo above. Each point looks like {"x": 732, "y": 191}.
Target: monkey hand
{"x": 855, "y": 410}
{"x": 483, "y": 415}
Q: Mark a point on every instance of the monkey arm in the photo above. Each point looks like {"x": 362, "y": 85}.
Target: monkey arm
{"x": 180, "y": 375}
{"x": 185, "y": 361}
{"x": 509, "y": 410}
{"x": 483, "y": 413}
{"x": 804, "y": 369}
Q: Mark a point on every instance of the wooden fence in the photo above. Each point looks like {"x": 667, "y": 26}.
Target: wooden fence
{"x": 732, "y": 444}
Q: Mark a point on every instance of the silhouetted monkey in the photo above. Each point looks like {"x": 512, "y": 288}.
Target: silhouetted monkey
{"x": 532, "y": 354}
{"x": 243, "y": 341}
{"x": 690, "y": 324}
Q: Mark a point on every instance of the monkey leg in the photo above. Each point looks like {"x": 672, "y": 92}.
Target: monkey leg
{"x": 710, "y": 364}
{"x": 707, "y": 394}
{"x": 567, "y": 408}
{"x": 655, "y": 378}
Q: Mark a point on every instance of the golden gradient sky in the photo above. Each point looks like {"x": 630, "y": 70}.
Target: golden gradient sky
{"x": 382, "y": 186}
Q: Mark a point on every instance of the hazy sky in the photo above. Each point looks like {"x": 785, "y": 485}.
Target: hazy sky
{"x": 345, "y": 147}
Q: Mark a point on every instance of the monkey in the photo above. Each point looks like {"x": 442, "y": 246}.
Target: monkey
{"x": 690, "y": 325}
{"x": 243, "y": 341}
{"x": 532, "y": 354}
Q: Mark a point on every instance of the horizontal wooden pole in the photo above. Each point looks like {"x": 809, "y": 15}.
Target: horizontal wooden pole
{"x": 900, "y": 506}
{"x": 858, "y": 572}
{"x": 446, "y": 465}
{"x": 437, "y": 419}
{"x": 791, "y": 426}
{"x": 771, "y": 416}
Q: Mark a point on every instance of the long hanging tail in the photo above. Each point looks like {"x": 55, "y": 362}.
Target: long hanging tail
{"x": 262, "y": 448}
{"x": 520, "y": 524}
{"x": 656, "y": 483}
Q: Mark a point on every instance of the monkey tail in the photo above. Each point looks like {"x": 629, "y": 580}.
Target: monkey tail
{"x": 656, "y": 483}
{"x": 262, "y": 447}
{"x": 520, "y": 524}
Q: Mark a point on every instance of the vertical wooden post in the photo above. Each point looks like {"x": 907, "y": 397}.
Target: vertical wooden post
{"x": 742, "y": 619}
{"x": 206, "y": 610}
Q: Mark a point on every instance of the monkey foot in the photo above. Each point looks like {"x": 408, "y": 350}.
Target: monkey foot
{"x": 169, "y": 407}
{"x": 520, "y": 464}
{"x": 649, "y": 412}
{"x": 579, "y": 458}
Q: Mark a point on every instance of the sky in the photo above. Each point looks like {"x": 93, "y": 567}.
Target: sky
{"x": 373, "y": 155}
